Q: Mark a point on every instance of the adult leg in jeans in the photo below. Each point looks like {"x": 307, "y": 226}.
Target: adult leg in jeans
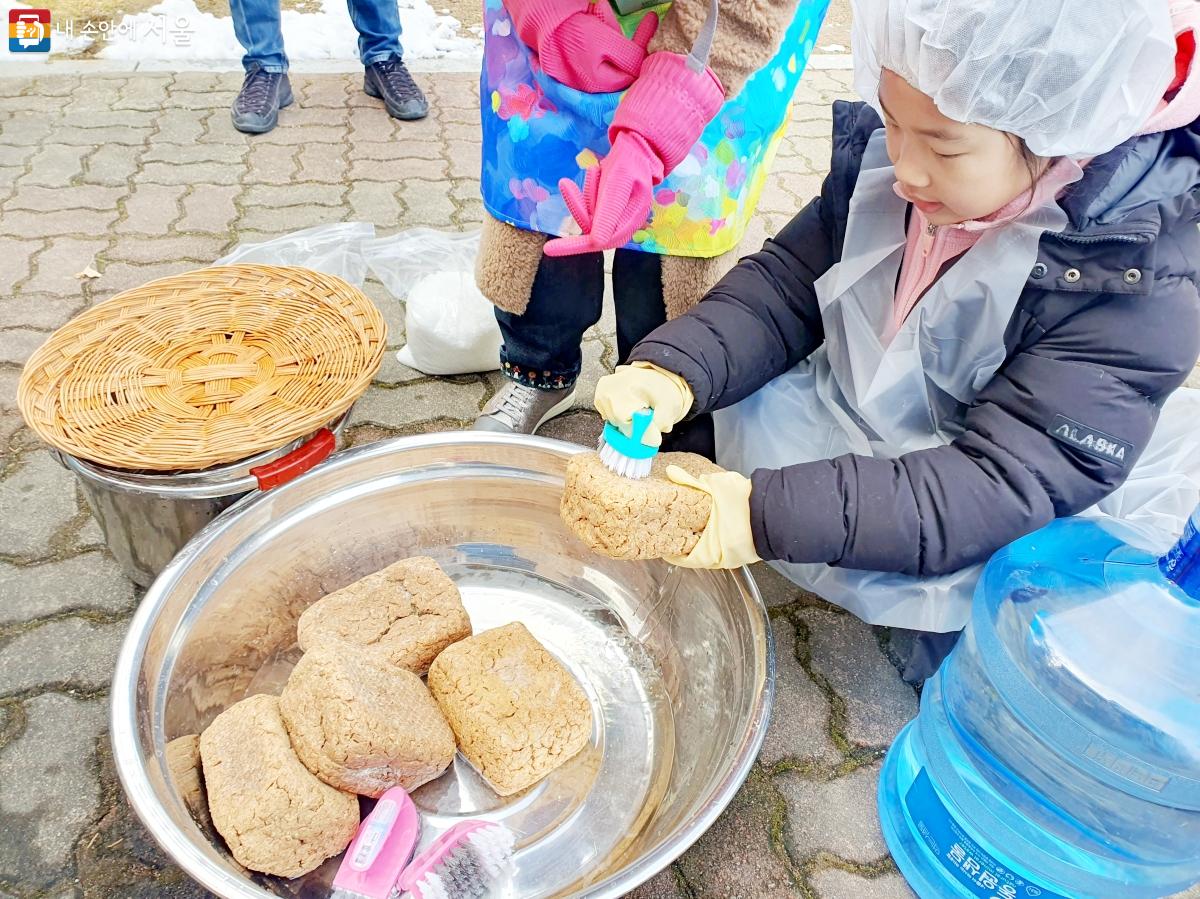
{"x": 542, "y": 352}
{"x": 256, "y": 23}
{"x": 378, "y": 25}
{"x": 638, "y": 294}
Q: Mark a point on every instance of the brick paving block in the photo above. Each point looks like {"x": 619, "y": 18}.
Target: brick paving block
{"x": 270, "y": 163}
{"x": 37, "y": 499}
{"x": 581, "y": 426}
{"x": 833, "y": 883}
{"x": 663, "y": 885}
{"x": 189, "y": 248}
{"x": 14, "y": 87}
{"x": 53, "y": 166}
{"x": 302, "y": 134}
{"x": 398, "y": 149}
{"x": 109, "y": 165}
{"x": 26, "y": 128}
{"x": 461, "y": 131}
{"x": 463, "y": 116}
{"x": 799, "y": 729}
{"x": 735, "y": 858}
{"x": 56, "y": 85}
{"x": 35, "y": 591}
{"x": 15, "y": 156}
{"x": 845, "y": 651}
{"x": 457, "y": 91}
{"x": 51, "y": 199}
{"x": 470, "y": 214}
{"x": 426, "y": 203}
{"x": 9, "y": 375}
{"x": 280, "y": 196}
{"x": 324, "y": 91}
{"x": 180, "y": 127}
{"x": 426, "y": 129}
{"x": 397, "y": 171}
{"x": 839, "y": 816}
{"x": 98, "y": 117}
{"x": 403, "y": 407}
{"x": 191, "y": 153}
{"x": 58, "y": 264}
{"x": 118, "y": 276}
{"x": 209, "y": 207}
{"x": 39, "y": 310}
{"x": 16, "y": 257}
{"x": 49, "y": 791}
{"x": 218, "y": 128}
{"x": 375, "y": 201}
{"x": 61, "y": 651}
{"x": 18, "y": 344}
{"x": 293, "y": 218}
{"x": 593, "y": 369}
{"x": 777, "y": 591}
{"x": 144, "y": 92}
{"x": 207, "y": 172}
{"x": 803, "y": 186}
{"x": 323, "y": 162}
{"x": 371, "y": 123}
{"x": 102, "y": 137}
{"x": 187, "y": 99}
{"x": 466, "y": 189}
{"x": 392, "y": 372}
{"x": 392, "y": 309}
{"x": 151, "y": 208}
{"x": 466, "y": 158}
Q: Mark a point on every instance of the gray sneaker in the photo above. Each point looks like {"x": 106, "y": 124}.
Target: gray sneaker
{"x": 521, "y": 409}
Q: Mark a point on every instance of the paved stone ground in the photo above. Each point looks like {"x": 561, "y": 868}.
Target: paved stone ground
{"x": 143, "y": 177}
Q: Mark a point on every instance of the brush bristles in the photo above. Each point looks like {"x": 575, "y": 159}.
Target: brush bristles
{"x": 620, "y": 464}
{"x": 470, "y": 870}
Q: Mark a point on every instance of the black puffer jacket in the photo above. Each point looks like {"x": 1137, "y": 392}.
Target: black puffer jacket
{"x": 1108, "y": 325}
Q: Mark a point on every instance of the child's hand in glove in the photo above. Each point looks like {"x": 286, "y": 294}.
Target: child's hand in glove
{"x": 580, "y": 43}
{"x": 655, "y": 126}
{"x": 727, "y": 540}
{"x": 641, "y": 385}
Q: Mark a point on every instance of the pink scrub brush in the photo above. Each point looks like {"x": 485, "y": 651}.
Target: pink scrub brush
{"x": 463, "y": 863}
{"x": 380, "y": 850}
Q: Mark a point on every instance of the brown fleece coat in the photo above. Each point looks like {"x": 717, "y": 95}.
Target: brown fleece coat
{"x": 747, "y": 37}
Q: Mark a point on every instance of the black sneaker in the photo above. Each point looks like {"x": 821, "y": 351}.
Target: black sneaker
{"x": 263, "y": 94}
{"x": 390, "y": 82}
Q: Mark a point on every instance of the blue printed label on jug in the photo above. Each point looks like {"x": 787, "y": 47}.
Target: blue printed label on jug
{"x": 961, "y": 856}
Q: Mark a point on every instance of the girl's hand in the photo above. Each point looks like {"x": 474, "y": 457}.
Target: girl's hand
{"x": 641, "y": 385}
{"x": 727, "y": 540}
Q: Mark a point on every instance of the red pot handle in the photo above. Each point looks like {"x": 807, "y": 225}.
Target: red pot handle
{"x": 308, "y": 455}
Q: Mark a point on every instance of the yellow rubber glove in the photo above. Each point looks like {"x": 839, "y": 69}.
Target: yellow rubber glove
{"x": 727, "y": 541}
{"x": 641, "y": 385}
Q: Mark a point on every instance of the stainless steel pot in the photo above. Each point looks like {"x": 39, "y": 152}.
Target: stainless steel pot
{"x": 147, "y": 517}
{"x": 678, "y": 664}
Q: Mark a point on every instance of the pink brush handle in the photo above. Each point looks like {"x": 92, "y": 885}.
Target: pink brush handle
{"x": 381, "y": 848}
{"x": 438, "y": 851}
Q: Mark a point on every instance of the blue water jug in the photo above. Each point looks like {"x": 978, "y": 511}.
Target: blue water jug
{"x": 1057, "y": 750}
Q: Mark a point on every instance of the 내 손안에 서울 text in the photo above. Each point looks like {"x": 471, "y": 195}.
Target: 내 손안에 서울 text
{"x": 30, "y": 30}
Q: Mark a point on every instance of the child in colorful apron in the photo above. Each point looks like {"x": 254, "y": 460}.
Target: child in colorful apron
{"x": 538, "y": 131}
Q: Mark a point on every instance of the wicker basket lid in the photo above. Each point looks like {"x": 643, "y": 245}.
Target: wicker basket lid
{"x": 203, "y": 368}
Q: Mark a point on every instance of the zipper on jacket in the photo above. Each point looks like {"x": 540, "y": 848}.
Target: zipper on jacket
{"x": 1107, "y": 238}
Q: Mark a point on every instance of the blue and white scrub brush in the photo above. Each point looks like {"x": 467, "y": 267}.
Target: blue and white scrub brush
{"x": 628, "y": 456}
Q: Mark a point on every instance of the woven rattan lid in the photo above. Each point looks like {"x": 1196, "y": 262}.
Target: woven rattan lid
{"x": 204, "y": 368}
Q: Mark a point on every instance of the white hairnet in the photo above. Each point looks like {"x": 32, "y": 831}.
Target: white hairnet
{"x": 1071, "y": 77}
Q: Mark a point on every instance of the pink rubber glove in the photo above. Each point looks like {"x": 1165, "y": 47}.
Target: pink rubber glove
{"x": 580, "y": 43}
{"x": 656, "y": 125}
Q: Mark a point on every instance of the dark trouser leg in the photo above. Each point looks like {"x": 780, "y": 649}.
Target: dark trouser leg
{"x": 637, "y": 292}
{"x": 542, "y": 346}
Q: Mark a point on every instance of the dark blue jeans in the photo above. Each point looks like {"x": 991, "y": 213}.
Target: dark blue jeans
{"x": 257, "y": 26}
{"x": 542, "y": 346}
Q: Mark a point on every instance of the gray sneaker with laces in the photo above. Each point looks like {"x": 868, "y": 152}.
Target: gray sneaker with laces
{"x": 521, "y": 409}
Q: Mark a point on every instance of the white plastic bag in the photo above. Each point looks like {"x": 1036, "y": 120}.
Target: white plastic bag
{"x": 335, "y": 249}
{"x": 451, "y": 327}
